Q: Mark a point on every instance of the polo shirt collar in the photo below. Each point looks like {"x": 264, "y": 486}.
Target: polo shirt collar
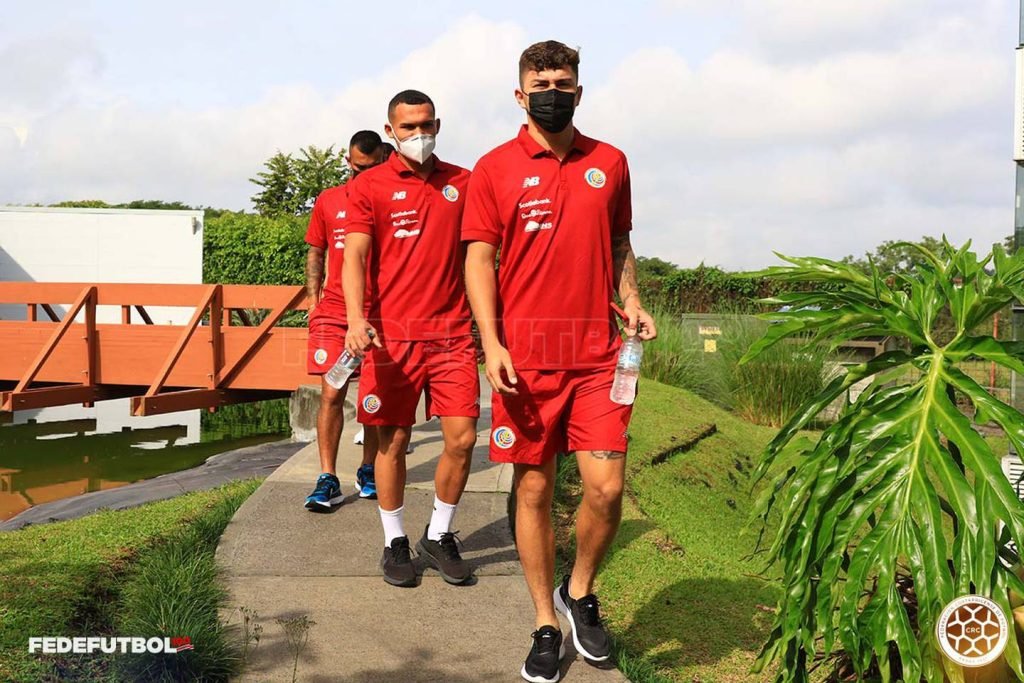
{"x": 580, "y": 143}
{"x": 399, "y": 167}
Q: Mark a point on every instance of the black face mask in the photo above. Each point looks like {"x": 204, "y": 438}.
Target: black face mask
{"x": 552, "y": 109}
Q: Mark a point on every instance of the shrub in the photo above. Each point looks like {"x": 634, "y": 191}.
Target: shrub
{"x": 241, "y": 248}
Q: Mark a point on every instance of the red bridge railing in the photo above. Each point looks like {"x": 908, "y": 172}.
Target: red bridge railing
{"x": 220, "y": 356}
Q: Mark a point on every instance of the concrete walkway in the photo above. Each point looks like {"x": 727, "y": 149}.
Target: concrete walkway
{"x": 283, "y": 562}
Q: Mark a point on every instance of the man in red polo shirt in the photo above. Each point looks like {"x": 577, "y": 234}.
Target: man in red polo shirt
{"x": 410, "y": 210}
{"x": 557, "y": 204}
{"x": 328, "y": 324}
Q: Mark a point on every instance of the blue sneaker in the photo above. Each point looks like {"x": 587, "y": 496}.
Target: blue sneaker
{"x": 326, "y": 493}
{"x": 365, "y": 481}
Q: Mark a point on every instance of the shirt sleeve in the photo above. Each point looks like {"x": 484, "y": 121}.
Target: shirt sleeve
{"x": 360, "y": 208}
{"x": 623, "y": 220}
{"x": 481, "y": 221}
{"x": 316, "y": 233}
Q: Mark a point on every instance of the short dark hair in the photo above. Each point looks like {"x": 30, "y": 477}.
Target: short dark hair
{"x": 408, "y": 97}
{"x": 366, "y": 141}
{"x": 549, "y": 54}
{"x": 388, "y": 150}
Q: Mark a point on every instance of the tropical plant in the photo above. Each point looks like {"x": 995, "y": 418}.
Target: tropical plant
{"x": 900, "y": 506}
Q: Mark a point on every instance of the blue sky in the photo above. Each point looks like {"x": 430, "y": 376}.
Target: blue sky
{"x": 751, "y": 126}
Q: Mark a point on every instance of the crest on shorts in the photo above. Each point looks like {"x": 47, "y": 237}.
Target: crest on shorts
{"x": 320, "y": 357}
{"x": 504, "y": 438}
{"x": 371, "y": 403}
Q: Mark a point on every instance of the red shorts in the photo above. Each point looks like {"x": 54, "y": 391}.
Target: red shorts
{"x": 558, "y": 411}
{"x": 395, "y": 375}
{"x": 326, "y": 341}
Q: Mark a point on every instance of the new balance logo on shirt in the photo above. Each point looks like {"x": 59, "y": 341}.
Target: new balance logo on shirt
{"x": 398, "y": 195}
{"x": 341, "y": 214}
{"x": 531, "y": 181}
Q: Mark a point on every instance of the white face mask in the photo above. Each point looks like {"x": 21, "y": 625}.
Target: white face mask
{"x": 418, "y": 147}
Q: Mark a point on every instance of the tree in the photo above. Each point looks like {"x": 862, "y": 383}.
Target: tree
{"x": 291, "y": 184}
{"x": 863, "y": 509}
{"x": 893, "y": 256}
{"x": 648, "y": 267}
{"x": 151, "y": 204}
{"x": 278, "y": 196}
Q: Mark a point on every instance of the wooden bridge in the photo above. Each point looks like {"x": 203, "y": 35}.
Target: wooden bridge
{"x": 232, "y": 350}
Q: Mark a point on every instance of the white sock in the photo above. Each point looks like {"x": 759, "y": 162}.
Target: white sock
{"x": 441, "y": 519}
{"x": 392, "y": 521}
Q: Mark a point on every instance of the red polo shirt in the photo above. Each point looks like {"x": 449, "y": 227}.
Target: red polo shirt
{"x": 553, "y": 221}
{"x": 416, "y": 263}
{"x": 327, "y": 231}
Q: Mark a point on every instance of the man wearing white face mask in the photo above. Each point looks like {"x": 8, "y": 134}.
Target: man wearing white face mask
{"x": 410, "y": 209}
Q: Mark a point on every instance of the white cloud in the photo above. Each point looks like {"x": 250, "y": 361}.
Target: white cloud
{"x": 818, "y": 128}
{"x": 747, "y": 152}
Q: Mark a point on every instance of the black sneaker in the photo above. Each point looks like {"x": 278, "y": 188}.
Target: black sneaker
{"x": 444, "y": 556}
{"x": 584, "y": 616}
{"x": 541, "y": 664}
{"x": 396, "y": 563}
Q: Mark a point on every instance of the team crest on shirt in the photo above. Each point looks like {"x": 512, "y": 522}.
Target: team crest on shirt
{"x": 320, "y": 357}
{"x": 371, "y": 403}
{"x": 595, "y": 177}
{"x": 504, "y": 438}
{"x": 450, "y": 193}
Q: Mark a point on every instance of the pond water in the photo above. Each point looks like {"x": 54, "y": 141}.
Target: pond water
{"x": 56, "y": 453}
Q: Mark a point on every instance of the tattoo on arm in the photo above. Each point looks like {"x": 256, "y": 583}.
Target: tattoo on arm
{"x": 607, "y": 455}
{"x": 314, "y": 272}
{"x": 624, "y": 267}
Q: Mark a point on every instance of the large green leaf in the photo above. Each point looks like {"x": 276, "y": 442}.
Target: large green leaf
{"x": 901, "y": 487}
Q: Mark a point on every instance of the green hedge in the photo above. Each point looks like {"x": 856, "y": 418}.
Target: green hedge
{"x": 254, "y": 250}
{"x": 704, "y": 290}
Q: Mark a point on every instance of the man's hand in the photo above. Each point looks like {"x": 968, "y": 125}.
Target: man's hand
{"x": 638, "y": 321}
{"x": 497, "y": 359}
{"x": 358, "y": 340}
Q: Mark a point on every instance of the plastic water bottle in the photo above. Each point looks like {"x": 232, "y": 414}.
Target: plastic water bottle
{"x": 627, "y": 370}
{"x": 344, "y": 367}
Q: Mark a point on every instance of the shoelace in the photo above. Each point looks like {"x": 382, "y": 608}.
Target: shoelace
{"x": 589, "y": 610}
{"x": 323, "y": 485}
{"x": 544, "y": 642}
{"x": 402, "y": 554}
{"x": 450, "y": 543}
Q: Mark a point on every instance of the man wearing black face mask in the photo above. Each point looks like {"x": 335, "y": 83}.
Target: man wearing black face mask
{"x": 557, "y": 204}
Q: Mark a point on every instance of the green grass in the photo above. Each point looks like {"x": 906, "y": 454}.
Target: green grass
{"x": 681, "y": 597}
{"x": 676, "y": 357}
{"x": 110, "y": 571}
{"x": 765, "y": 390}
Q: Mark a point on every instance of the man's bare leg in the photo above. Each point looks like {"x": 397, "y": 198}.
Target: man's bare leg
{"x": 597, "y": 521}
{"x": 389, "y": 466}
{"x": 535, "y": 535}
{"x": 329, "y": 421}
{"x": 438, "y": 545}
{"x": 371, "y": 442}
{"x": 453, "y": 466}
{"x": 396, "y": 562}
